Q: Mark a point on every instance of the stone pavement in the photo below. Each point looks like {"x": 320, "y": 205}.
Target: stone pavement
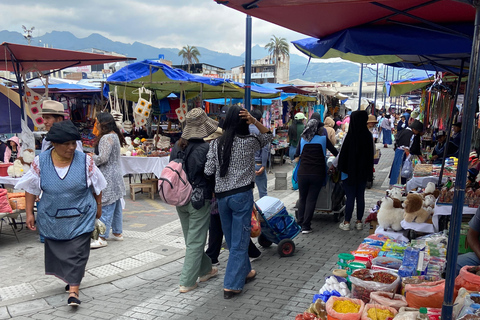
{"x": 138, "y": 278}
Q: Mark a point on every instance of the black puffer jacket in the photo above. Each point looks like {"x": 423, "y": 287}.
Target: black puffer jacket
{"x": 196, "y": 153}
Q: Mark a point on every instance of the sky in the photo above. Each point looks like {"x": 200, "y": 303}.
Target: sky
{"x": 161, "y": 23}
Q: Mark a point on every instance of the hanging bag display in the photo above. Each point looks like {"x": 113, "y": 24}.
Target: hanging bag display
{"x": 141, "y": 111}
{"x": 127, "y": 124}
{"x": 115, "y": 108}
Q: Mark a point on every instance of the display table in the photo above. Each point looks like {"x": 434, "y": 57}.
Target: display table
{"x": 446, "y": 210}
{"x": 9, "y": 181}
{"x": 422, "y": 182}
{"x": 138, "y": 165}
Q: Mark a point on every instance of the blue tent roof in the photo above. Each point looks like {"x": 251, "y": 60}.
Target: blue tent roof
{"x": 256, "y": 102}
{"x": 68, "y": 87}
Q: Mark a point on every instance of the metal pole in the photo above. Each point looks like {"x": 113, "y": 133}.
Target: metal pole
{"x": 248, "y": 64}
{"x": 449, "y": 123}
{"x": 460, "y": 181}
{"x": 385, "y": 94}
{"x": 360, "y": 86}
{"x": 375, "y": 97}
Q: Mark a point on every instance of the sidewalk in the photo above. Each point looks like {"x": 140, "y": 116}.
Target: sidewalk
{"x": 138, "y": 278}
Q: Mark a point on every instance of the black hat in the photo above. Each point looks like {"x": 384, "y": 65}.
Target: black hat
{"x": 417, "y": 125}
{"x": 223, "y": 112}
{"x": 257, "y": 114}
{"x": 63, "y": 131}
{"x": 457, "y": 124}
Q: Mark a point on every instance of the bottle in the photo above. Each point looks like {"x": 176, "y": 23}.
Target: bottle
{"x": 422, "y": 314}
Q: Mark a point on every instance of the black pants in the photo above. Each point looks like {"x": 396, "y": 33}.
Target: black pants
{"x": 215, "y": 239}
{"x": 354, "y": 192}
{"x": 309, "y": 187}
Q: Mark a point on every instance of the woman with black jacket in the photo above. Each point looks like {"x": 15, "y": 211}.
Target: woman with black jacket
{"x": 195, "y": 216}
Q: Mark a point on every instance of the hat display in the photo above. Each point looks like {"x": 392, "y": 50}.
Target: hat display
{"x": 198, "y": 125}
{"x": 372, "y": 119}
{"x": 217, "y": 134}
{"x": 63, "y": 131}
{"x": 417, "y": 125}
{"x": 53, "y": 107}
{"x": 300, "y": 116}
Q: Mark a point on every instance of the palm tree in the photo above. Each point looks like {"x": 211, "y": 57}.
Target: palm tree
{"x": 277, "y": 47}
{"x": 189, "y": 55}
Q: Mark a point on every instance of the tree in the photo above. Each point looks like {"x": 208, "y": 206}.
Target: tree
{"x": 277, "y": 47}
{"x": 189, "y": 55}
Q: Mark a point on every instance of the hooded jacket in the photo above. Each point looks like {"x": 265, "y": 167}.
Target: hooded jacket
{"x": 329, "y": 124}
{"x": 8, "y": 151}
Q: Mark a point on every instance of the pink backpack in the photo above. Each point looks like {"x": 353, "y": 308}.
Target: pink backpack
{"x": 173, "y": 185}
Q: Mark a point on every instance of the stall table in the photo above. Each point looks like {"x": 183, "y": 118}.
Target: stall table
{"x": 446, "y": 210}
{"x": 421, "y": 182}
{"x": 139, "y": 165}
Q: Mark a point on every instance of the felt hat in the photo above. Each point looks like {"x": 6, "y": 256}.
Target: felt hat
{"x": 63, "y": 131}
{"x": 53, "y": 107}
{"x": 372, "y": 119}
{"x": 300, "y": 116}
{"x": 198, "y": 125}
{"x": 217, "y": 134}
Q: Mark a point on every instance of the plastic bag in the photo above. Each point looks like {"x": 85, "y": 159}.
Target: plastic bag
{"x": 407, "y": 169}
{"x": 256, "y": 229}
{"x": 368, "y": 306}
{"x": 361, "y": 289}
{"x": 468, "y": 280}
{"x": 385, "y": 298}
{"x": 334, "y": 315}
{"x": 406, "y": 313}
{"x": 428, "y": 294}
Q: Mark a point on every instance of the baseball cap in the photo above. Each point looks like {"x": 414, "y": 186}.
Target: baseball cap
{"x": 300, "y": 116}
{"x": 441, "y": 133}
{"x": 223, "y": 111}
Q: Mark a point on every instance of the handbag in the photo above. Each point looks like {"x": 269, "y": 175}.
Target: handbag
{"x": 255, "y": 222}
{"x": 197, "y": 199}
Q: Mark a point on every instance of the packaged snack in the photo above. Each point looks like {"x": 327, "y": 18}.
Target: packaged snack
{"x": 365, "y": 281}
{"x": 395, "y": 245}
{"x": 388, "y": 263}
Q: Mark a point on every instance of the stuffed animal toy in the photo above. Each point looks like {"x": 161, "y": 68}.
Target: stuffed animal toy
{"x": 429, "y": 203}
{"x": 431, "y": 189}
{"x": 17, "y": 170}
{"x": 414, "y": 210}
{"x": 129, "y": 145}
{"x": 395, "y": 193}
{"x": 28, "y": 155}
{"x": 388, "y": 216}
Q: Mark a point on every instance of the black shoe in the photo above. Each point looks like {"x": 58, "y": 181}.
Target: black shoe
{"x": 230, "y": 294}
{"x": 67, "y": 288}
{"x": 74, "y": 301}
{"x": 306, "y": 231}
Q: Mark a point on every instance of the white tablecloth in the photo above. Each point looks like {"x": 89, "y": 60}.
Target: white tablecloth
{"x": 446, "y": 210}
{"x": 419, "y": 227}
{"x": 421, "y": 182}
{"x": 137, "y": 165}
{"x": 9, "y": 181}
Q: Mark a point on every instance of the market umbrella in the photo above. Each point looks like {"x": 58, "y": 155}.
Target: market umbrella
{"x": 399, "y": 87}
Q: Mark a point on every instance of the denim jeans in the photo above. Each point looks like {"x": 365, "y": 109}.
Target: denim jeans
{"x": 291, "y": 152}
{"x": 112, "y": 217}
{"x": 396, "y": 166}
{"x": 261, "y": 181}
{"x": 236, "y": 213}
{"x": 194, "y": 226}
{"x": 466, "y": 259}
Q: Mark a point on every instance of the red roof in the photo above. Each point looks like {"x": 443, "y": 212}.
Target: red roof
{"x": 318, "y": 18}
{"x": 43, "y": 59}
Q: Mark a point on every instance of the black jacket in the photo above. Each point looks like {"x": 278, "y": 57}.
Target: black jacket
{"x": 196, "y": 153}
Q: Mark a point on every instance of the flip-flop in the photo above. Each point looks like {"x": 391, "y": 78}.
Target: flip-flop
{"x": 251, "y": 278}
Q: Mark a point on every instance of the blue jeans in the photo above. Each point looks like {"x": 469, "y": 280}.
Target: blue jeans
{"x": 112, "y": 217}
{"x": 261, "y": 181}
{"x": 291, "y": 152}
{"x": 396, "y": 166}
{"x": 235, "y": 214}
{"x": 466, "y": 259}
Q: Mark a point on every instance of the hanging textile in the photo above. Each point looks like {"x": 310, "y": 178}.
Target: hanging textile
{"x": 33, "y": 101}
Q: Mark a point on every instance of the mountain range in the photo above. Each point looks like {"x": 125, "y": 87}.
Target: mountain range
{"x": 344, "y": 72}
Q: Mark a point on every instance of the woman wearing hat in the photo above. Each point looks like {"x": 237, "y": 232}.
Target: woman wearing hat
{"x": 72, "y": 193}
{"x": 294, "y": 132}
{"x": 231, "y": 160}
{"x": 372, "y": 126}
{"x": 195, "y": 216}
{"x": 402, "y": 124}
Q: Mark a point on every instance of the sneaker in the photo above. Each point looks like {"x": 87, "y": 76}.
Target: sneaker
{"x": 99, "y": 243}
{"x": 115, "y": 238}
{"x": 184, "y": 289}
{"x": 306, "y": 231}
{"x": 209, "y": 275}
{"x": 345, "y": 226}
{"x": 359, "y": 226}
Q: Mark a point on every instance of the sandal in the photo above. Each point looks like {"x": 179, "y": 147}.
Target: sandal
{"x": 73, "y": 301}
{"x": 251, "y": 278}
{"x": 67, "y": 288}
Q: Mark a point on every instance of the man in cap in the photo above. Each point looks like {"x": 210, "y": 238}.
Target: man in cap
{"x": 53, "y": 111}
{"x": 457, "y": 133}
{"x": 437, "y": 154}
{"x": 294, "y": 132}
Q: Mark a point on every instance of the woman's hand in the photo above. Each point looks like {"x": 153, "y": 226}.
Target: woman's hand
{"x": 31, "y": 222}
{"x": 244, "y": 114}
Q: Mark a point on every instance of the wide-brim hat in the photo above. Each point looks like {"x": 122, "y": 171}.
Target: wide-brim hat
{"x": 217, "y": 134}
{"x": 53, "y": 107}
{"x": 372, "y": 119}
{"x": 198, "y": 125}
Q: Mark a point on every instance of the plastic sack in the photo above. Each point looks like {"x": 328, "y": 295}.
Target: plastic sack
{"x": 459, "y": 301}
{"x": 368, "y": 306}
{"x": 407, "y": 169}
{"x": 468, "y": 280}
{"x": 406, "y": 313}
{"x": 385, "y": 299}
{"x": 471, "y": 308}
{"x": 428, "y": 294}
{"x": 334, "y": 315}
{"x": 361, "y": 289}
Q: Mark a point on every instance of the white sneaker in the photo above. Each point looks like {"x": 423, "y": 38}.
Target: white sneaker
{"x": 99, "y": 243}
{"x": 115, "y": 238}
{"x": 345, "y": 226}
{"x": 359, "y": 226}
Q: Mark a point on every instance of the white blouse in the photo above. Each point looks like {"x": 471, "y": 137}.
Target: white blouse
{"x": 30, "y": 182}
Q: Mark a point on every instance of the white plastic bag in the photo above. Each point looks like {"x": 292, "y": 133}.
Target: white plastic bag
{"x": 407, "y": 169}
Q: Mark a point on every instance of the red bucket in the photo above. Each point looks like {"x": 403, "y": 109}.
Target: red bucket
{"x": 3, "y": 169}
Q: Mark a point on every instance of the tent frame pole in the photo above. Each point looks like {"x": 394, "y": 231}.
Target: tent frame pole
{"x": 248, "y": 63}
{"x": 360, "y": 81}
{"x": 471, "y": 96}
{"x": 375, "y": 97}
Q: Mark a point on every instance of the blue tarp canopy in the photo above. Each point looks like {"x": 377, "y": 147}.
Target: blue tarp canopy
{"x": 11, "y": 119}
{"x": 256, "y": 102}
{"x": 164, "y": 80}
{"x": 68, "y": 88}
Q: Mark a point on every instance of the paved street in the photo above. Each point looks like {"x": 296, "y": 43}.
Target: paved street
{"x": 138, "y": 278}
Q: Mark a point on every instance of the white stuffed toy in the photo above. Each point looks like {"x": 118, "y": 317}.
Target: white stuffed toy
{"x": 17, "y": 170}
{"x": 429, "y": 203}
{"x": 395, "y": 193}
{"x": 389, "y": 216}
{"x": 129, "y": 145}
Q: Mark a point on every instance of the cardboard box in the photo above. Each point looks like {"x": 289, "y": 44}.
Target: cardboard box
{"x": 373, "y": 226}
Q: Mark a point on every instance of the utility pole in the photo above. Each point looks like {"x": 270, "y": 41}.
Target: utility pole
{"x": 28, "y": 33}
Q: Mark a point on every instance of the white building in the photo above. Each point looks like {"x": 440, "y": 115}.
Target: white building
{"x": 263, "y": 71}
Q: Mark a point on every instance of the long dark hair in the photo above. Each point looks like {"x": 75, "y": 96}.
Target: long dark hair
{"x": 234, "y": 125}
{"x": 106, "y": 125}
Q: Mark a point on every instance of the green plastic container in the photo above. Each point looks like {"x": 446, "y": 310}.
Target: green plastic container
{"x": 345, "y": 258}
{"x": 352, "y": 266}
{"x": 343, "y": 266}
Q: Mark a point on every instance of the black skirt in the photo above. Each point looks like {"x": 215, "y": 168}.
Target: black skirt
{"x": 67, "y": 259}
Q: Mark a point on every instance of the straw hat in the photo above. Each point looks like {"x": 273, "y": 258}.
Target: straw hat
{"x": 198, "y": 125}
{"x": 53, "y": 107}
{"x": 217, "y": 134}
{"x": 372, "y": 119}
